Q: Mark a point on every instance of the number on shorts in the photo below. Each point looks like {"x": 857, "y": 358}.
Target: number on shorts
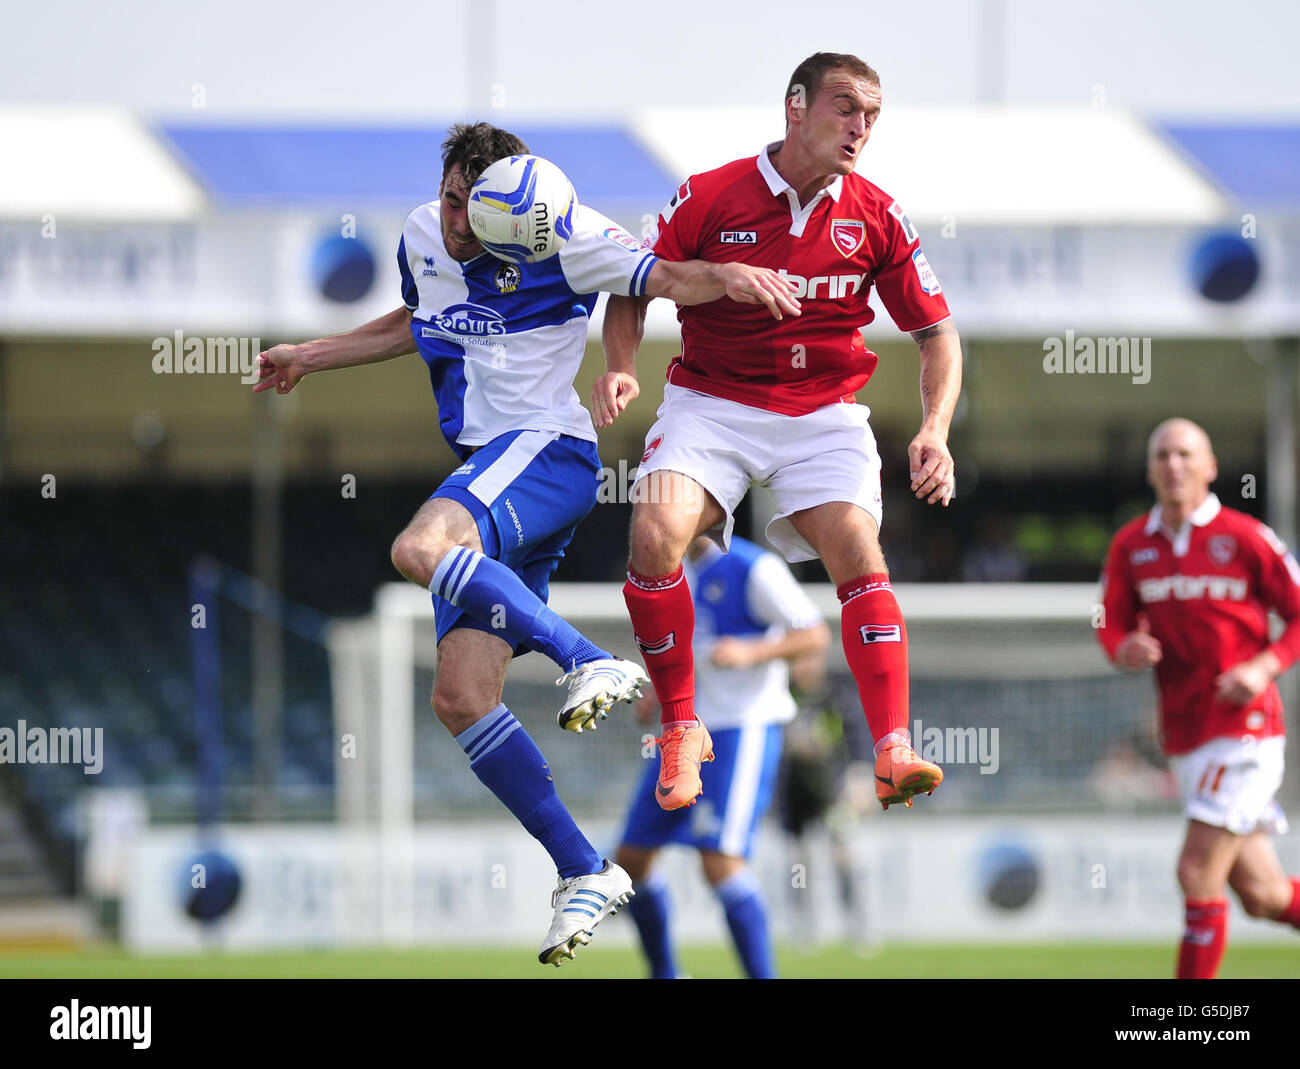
{"x": 1218, "y": 771}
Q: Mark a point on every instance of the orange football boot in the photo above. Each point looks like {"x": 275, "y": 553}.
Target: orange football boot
{"x": 900, "y": 774}
{"x": 682, "y": 749}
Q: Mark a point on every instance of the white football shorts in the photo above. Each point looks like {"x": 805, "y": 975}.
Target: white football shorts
{"x": 826, "y": 455}
{"x": 1230, "y": 783}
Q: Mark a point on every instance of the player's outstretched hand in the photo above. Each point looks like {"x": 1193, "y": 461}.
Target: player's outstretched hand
{"x": 933, "y": 470}
{"x": 760, "y": 285}
{"x": 612, "y": 393}
{"x": 1139, "y": 649}
{"x": 1247, "y": 681}
{"x": 280, "y": 368}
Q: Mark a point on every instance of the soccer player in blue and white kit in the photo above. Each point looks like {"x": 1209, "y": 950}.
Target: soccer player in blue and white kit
{"x": 503, "y": 343}
{"x": 752, "y": 619}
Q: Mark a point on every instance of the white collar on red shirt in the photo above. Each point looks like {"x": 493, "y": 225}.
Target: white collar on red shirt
{"x": 1182, "y": 538}
{"x": 778, "y": 185}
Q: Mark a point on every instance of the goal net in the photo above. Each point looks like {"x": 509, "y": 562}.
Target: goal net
{"x": 1009, "y": 691}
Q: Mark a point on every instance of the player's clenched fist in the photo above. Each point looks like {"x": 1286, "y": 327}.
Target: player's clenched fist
{"x": 610, "y": 394}
{"x": 280, "y": 368}
{"x": 1139, "y": 649}
{"x": 760, "y": 285}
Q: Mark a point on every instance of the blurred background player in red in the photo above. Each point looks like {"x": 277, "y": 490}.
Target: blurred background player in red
{"x": 1187, "y": 591}
{"x": 754, "y": 618}
{"x": 774, "y": 404}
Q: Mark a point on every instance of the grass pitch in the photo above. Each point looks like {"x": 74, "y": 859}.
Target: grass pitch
{"x": 966, "y": 961}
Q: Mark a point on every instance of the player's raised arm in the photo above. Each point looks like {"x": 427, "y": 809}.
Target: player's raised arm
{"x": 283, "y": 366}
{"x": 699, "y": 282}
{"x": 932, "y": 465}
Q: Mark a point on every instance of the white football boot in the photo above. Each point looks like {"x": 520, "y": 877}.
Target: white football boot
{"x": 594, "y": 687}
{"x": 580, "y": 904}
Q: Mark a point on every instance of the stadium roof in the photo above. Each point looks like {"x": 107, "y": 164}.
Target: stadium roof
{"x": 278, "y": 165}
{"x": 1013, "y": 166}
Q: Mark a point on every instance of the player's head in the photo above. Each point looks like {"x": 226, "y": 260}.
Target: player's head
{"x": 831, "y": 102}
{"x": 467, "y": 152}
{"x": 1180, "y": 463}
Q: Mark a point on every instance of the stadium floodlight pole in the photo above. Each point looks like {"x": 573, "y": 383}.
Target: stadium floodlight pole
{"x": 267, "y": 653}
{"x": 1283, "y": 397}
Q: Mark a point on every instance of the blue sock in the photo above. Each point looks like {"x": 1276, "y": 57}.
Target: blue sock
{"x": 747, "y": 919}
{"x": 650, "y": 908}
{"x": 492, "y": 593}
{"x": 506, "y": 759}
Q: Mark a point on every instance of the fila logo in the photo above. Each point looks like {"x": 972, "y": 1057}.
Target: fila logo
{"x": 739, "y": 237}
{"x": 837, "y": 286}
{"x": 1143, "y": 556}
{"x": 873, "y": 633}
{"x": 652, "y": 649}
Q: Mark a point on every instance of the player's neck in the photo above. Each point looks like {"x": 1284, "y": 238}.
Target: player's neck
{"x": 1173, "y": 514}
{"x": 804, "y": 176}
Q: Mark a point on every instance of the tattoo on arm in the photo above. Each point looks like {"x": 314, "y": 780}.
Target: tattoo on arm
{"x": 944, "y": 327}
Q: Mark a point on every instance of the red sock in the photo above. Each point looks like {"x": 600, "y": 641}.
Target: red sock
{"x": 663, "y": 620}
{"x": 875, "y": 644}
{"x": 1204, "y": 939}
{"x": 1291, "y": 915}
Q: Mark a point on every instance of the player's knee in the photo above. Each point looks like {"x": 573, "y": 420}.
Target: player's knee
{"x": 457, "y": 707}
{"x": 415, "y": 554}
{"x": 1191, "y": 874}
{"x": 658, "y": 543}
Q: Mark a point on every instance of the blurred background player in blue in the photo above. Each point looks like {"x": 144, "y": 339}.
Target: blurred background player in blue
{"x": 752, "y": 620}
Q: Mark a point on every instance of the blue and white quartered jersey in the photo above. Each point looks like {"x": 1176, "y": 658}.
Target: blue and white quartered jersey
{"x": 747, "y": 593}
{"x": 504, "y": 341}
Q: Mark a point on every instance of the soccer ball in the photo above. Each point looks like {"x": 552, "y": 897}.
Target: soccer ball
{"x": 521, "y": 209}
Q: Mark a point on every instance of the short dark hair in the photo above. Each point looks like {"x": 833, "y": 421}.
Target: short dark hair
{"x": 476, "y": 146}
{"x": 810, "y": 74}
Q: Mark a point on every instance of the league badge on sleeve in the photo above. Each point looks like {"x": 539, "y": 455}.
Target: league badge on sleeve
{"x": 924, "y": 272}
{"x": 847, "y": 235}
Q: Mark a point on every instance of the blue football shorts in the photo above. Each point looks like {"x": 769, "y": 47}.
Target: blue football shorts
{"x": 527, "y": 492}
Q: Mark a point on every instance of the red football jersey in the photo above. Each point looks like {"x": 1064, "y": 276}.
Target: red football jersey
{"x": 850, "y": 237}
{"x": 1205, "y": 592}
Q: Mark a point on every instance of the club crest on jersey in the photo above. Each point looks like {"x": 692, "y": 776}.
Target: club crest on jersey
{"x": 738, "y": 237}
{"x": 847, "y": 235}
{"x": 1222, "y": 548}
{"x": 659, "y": 440}
{"x": 663, "y": 645}
{"x": 507, "y": 278}
{"x": 872, "y": 633}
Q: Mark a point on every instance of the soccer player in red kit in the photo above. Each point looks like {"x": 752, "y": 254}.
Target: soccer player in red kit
{"x": 749, "y": 402}
{"x": 1187, "y": 590}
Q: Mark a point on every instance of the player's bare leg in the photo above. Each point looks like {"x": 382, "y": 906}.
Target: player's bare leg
{"x": 1262, "y": 885}
{"x": 440, "y": 525}
{"x": 875, "y": 641}
{"x": 669, "y": 511}
{"x": 1208, "y": 856}
{"x": 472, "y": 668}
{"x": 442, "y": 549}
